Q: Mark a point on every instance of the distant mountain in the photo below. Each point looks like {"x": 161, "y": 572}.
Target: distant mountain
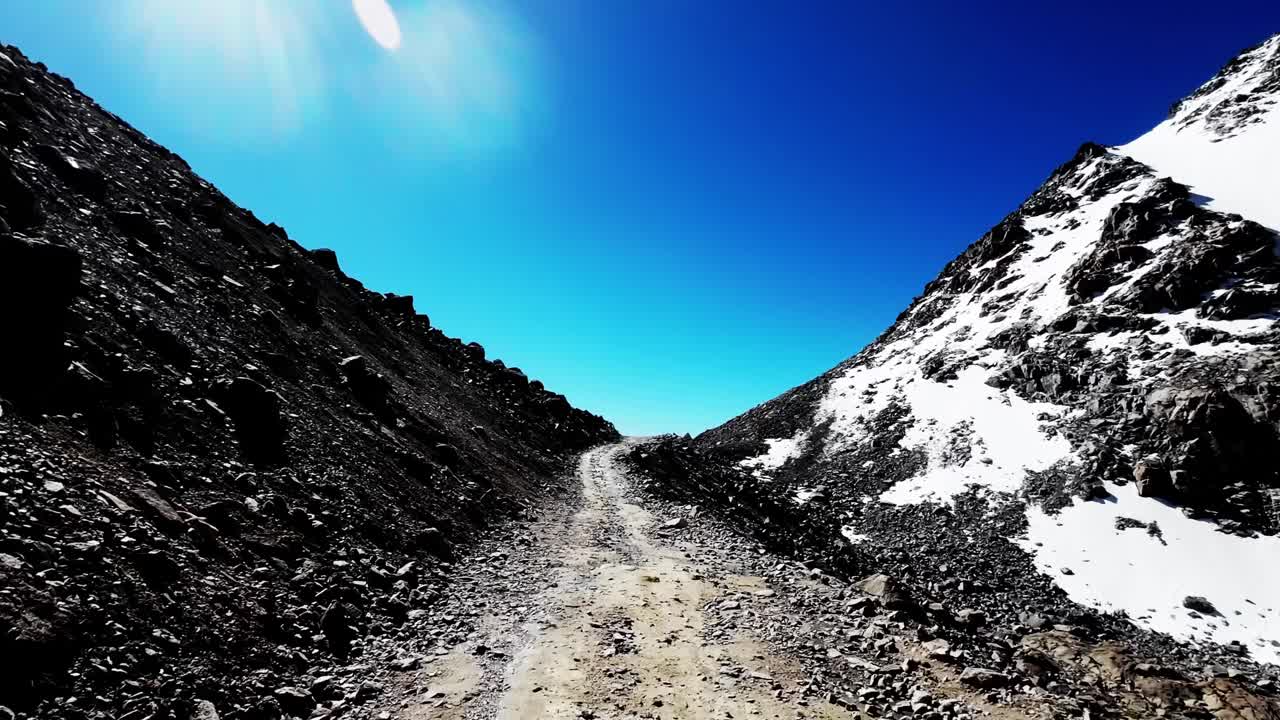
{"x": 223, "y": 462}
{"x": 1083, "y": 408}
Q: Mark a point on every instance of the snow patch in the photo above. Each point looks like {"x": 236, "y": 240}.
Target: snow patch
{"x": 1148, "y": 573}
{"x": 780, "y": 452}
{"x": 804, "y": 495}
{"x": 1235, "y": 173}
{"x": 853, "y": 537}
{"x": 1002, "y": 431}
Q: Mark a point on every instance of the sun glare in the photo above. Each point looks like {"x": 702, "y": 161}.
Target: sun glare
{"x": 470, "y": 71}
{"x": 379, "y": 21}
{"x": 455, "y": 74}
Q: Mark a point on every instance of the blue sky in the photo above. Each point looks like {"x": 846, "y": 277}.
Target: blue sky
{"x": 668, "y": 210}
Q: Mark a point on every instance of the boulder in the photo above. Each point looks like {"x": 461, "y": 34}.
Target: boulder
{"x": 141, "y": 227}
{"x": 326, "y": 259}
{"x": 203, "y": 710}
{"x": 42, "y": 279}
{"x": 1238, "y": 303}
{"x": 1214, "y": 437}
{"x": 434, "y": 542}
{"x": 257, "y": 416}
{"x": 337, "y": 625}
{"x": 1196, "y": 335}
{"x": 891, "y": 593}
{"x": 295, "y": 701}
{"x": 19, "y": 207}
{"x": 983, "y": 678}
{"x": 80, "y": 175}
{"x": 158, "y": 510}
{"x": 399, "y": 304}
{"x": 166, "y": 344}
{"x": 447, "y": 454}
{"x": 1152, "y": 478}
{"x": 35, "y": 645}
{"x": 369, "y": 388}
{"x": 1199, "y": 604}
{"x": 157, "y": 567}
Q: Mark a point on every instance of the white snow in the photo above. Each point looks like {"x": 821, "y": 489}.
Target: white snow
{"x": 852, "y": 536}
{"x": 780, "y": 452}
{"x": 1237, "y": 173}
{"x": 1005, "y": 438}
{"x": 804, "y": 495}
{"x": 1170, "y": 337}
{"x": 1247, "y": 326}
{"x": 1132, "y": 571}
{"x": 1237, "y": 328}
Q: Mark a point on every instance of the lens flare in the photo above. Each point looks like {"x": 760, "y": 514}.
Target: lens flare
{"x": 470, "y": 75}
{"x": 379, "y": 21}
{"x": 234, "y": 70}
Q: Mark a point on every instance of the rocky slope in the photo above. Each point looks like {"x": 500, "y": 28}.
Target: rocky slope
{"x": 1078, "y": 418}
{"x": 223, "y": 462}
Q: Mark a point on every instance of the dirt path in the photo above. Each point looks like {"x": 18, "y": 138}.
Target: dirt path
{"x": 612, "y": 604}
{"x": 630, "y": 639}
{"x": 618, "y": 631}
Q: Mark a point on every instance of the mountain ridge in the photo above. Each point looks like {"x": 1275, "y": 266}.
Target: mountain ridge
{"x": 1115, "y": 333}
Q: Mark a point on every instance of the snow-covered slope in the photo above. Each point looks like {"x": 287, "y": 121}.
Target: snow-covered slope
{"x": 1106, "y": 362}
{"x": 1223, "y": 141}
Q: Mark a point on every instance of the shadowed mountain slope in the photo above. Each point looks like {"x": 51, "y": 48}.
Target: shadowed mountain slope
{"x": 223, "y": 461}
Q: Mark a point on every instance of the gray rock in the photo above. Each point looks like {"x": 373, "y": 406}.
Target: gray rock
{"x": 295, "y": 700}
{"x": 201, "y": 710}
{"x": 1152, "y": 478}
{"x": 983, "y": 678}
{"x": 1199, "y": 604}
{"x": 889, "y": 591}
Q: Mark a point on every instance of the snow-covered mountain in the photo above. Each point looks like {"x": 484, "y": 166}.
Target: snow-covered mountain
{"x": 1088, "y": 395}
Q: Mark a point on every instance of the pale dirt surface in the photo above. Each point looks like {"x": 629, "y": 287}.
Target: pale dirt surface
{"x": 599, "y": 609}
{"x": 622, "y": 634}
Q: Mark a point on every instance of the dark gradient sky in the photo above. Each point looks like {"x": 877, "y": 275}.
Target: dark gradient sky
{"x": 668, "y": 210}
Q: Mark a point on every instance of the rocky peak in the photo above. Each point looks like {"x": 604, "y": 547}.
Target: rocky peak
{"x": 1239, "y": 95}
{"x": 1107, "y": 352}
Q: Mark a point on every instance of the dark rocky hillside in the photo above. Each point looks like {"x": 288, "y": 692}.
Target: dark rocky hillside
{"x": 223, "y": 462}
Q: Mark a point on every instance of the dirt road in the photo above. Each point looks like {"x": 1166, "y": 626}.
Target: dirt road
{"x": 605, "y": 608}
{"x": 617, "y": 631}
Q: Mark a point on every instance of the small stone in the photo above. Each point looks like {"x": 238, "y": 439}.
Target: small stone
{"x": 1199, "y": 604}
{"x": 407, "y": 663}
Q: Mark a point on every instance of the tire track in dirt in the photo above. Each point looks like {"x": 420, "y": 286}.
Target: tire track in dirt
{"x": 618, "y": 631}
